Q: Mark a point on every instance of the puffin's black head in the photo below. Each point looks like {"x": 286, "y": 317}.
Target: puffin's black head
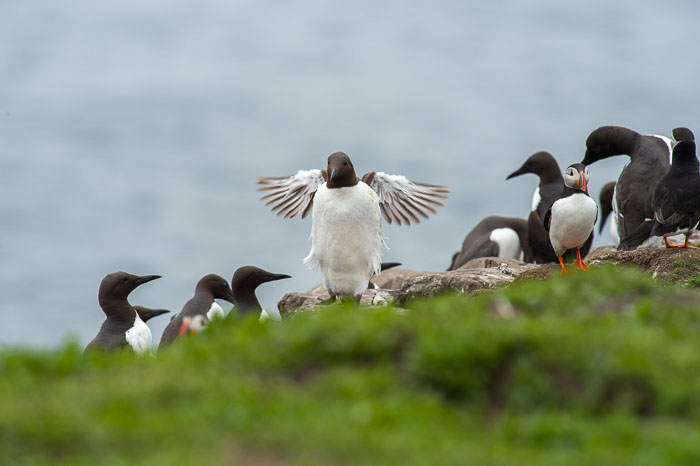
{"x": 681, "y": 134}
{"x": 249, "y": 277}
{"x": 538, "y": 163}
{"x": 684, "y": 154}
{"x": 341, "y": 172}
{"x": 217, "y": 286}
{"x": 118, "y": 285}
{"x": 576, "y": 177}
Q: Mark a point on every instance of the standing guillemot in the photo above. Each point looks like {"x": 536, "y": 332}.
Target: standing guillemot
{"x": 607, "y": 201}
{"x": 676, "y": 201}
{"x": 550, "y": 188}
{"x": 346, "y": 230}
{"x": 495, "y": 237}
{"x": 572, "y": 217}
{"x": 123, "y": 325}
{"x": 649, "y": 161}
{"x": 208, "y": 288}
{"x": 244, "y": 282}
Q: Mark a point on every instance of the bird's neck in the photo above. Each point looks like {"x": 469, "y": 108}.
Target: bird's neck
{"x": 118, "y": 310}
{"x": 551, "y": 176}
{"x": 685, "y": 165}
{"x": 623, "y": 142}
{"x": 246, "y": 302}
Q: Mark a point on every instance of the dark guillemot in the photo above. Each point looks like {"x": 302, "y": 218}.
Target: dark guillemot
{"x": 572, "y": 217}
{"x": 649, "y": 161}
{"x": 346, "y": 232}
{"x": 209, "y": 288}
{"x": 494, "y": 236}
{"x": 676, "y": 201}
{"x": 607, "y": 199}
{"x": 244, "y": 282}
{"x": 551, "y": 185}
{"x": 123, "y": 326}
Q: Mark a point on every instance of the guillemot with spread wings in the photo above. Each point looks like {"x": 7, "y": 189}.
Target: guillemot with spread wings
{"x": 346, "y": 211}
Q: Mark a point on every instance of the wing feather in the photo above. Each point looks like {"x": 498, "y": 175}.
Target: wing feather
{"x": 403, "y": 201}
{"x": 291, "y": 195}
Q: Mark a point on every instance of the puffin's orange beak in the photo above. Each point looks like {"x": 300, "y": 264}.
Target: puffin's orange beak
{"x": 583, "y": 182}
{"x": 185, "y": 326}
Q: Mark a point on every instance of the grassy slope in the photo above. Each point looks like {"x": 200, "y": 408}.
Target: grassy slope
{"x": 599, "y": 368}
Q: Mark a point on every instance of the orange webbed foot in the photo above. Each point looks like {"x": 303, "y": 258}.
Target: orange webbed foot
{"x": 564, "y": 270}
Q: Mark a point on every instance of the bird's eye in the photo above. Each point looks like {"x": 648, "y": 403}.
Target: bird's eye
{"x": 345, "y": 164}
{"x": 123, "y": 280}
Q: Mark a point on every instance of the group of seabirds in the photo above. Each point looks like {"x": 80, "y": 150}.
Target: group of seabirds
{"x": 656, "y": 195}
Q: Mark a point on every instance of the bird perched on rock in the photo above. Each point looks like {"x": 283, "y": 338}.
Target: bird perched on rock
{"x": 244, "y": 282}
{"x": 676, "y": 201}
{"x": 346, "y": 232}
{"x": 495, "y": 237}
{"x": 124, "y": 325}
{"x": 572, "y": 217}
{"x": 649, "y": 161}
{"x": 209, "y": 288}
{"x": 551, "y": 185}
{"x": 607, "y": 199}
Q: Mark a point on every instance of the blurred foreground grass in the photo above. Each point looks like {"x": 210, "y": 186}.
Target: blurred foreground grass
{"x": 596, "y": 368}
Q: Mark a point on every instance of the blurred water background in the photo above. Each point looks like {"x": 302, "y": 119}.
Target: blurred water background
{"x": 131, "y": 133}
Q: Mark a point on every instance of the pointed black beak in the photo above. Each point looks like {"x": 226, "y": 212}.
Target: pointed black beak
{"x": 517, "y": 172}
{"x": 332, "y": 174}
{"x": 146, "y": 279}
{"x": 146, "y": 313}
{"x": 389, "y": 265}
{"x": 276, "y": 276}
{"x": 229, "y": 297}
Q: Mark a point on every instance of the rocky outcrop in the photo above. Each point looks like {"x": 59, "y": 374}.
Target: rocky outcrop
{"x": 672, "y": 266}
{"x": 400, "y": 285}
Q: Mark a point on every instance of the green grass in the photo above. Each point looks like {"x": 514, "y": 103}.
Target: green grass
{"x": 596, "y": 368}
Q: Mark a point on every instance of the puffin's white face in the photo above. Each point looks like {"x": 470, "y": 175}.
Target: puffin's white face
{"x": 576, "y": 179}
{"x": 192, "y": 325}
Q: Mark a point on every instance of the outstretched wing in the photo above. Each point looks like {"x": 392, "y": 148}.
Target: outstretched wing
{"x": 402, "y": 200}
{"x": 290, "y": 195}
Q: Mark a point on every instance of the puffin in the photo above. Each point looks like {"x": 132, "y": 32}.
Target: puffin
{"x": 494, "y": 236}
{"x": 676, "y": 200}
{"x": 607, "y": 200}
{"x": 209, "y": 288}
{"x": 346, "y": 231}
{"x": 544, "y": 165}
{"x": 244, "y": 282}
{"x": 571, "y": 218}
{"x": 124, "y": 326}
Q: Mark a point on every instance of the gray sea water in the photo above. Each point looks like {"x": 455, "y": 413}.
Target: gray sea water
{"x": 131, "y": 132}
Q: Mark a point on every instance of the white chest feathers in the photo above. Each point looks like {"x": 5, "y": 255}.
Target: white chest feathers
{"x": 571, "y": 222}
{"x": 215, "y": 312}
{"x": 346, "y": 238}
{"x": 536, "y": 198}
{"x": 508, "y": 243}
{"x": 139, "y": 336}
{"x": 273, "y": 314}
